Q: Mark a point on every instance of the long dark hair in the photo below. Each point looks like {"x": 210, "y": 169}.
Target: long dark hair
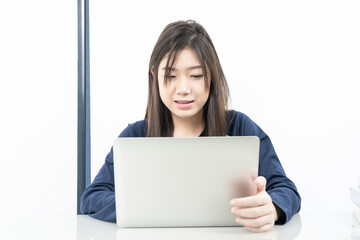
{"x": 175, "y": 37}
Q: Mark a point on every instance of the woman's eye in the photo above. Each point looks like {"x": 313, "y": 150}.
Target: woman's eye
{"x": 197, "y": 76}
{"x": 170, "y": 76}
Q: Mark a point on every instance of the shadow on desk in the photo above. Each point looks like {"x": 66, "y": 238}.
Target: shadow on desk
{"x": 89, "y": 228}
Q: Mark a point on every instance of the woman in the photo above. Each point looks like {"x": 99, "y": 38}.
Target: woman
{"x": 188, "y": 97}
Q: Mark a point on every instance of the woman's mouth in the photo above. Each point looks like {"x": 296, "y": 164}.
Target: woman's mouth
{"x": 184, "y": 103}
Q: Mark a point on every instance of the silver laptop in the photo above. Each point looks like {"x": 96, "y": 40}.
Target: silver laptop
{"x": 182, "y": 182}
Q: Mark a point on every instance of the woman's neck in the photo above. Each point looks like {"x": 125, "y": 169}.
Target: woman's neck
{"x": 188, "y": 127}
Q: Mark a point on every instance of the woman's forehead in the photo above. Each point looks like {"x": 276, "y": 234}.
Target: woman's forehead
{"x": 186, "y": 59}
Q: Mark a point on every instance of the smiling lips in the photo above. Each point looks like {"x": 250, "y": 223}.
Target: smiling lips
{"x": 184, "y": 103}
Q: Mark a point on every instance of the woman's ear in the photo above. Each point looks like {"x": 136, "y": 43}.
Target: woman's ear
{"x": 152, "y": 71}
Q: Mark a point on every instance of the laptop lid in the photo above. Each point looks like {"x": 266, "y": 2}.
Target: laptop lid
{"x": 182, "y": 182}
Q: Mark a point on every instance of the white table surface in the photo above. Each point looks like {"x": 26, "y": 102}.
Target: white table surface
{"x": 306, "y": 225}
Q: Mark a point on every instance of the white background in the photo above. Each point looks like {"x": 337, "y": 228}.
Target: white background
{"x": 38, "y": 107}
{"x": 292, "y": 66}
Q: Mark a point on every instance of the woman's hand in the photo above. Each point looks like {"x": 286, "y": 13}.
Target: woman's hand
{"x": 256, "y": 213}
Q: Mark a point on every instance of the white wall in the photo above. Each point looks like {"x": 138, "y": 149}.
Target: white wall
{"x": 38, "y": 107}
{"x": 292, "y": 66}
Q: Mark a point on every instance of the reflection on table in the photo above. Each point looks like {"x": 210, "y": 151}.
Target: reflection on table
{"x": 306, "y": 225}
{"x": 93, "y": 229}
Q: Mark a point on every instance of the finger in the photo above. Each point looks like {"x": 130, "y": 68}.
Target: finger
{"x": 264, "y": 228}
{"x": 252, "y": 201}
{"x": 260, "y": 183}
{"x": 255, "y": 222}
{"x": 254, "y": 212}
{"x": 243, "y": 187}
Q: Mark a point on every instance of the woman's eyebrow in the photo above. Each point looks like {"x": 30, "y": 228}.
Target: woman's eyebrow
{"x": 189, "y": 68}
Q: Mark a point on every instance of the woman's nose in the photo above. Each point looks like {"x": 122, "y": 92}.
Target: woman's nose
{"x": 182, "y": 86}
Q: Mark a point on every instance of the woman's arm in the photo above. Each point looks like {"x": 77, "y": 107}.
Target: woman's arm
{"x": 98, "y": 200}
{"x": 282, "y": 191}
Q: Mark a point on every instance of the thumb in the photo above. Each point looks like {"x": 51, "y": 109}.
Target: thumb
{"x": 260, "y": 183}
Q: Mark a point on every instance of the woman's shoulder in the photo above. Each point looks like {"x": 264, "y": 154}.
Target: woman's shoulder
{"x": 235, "y": 117}
{"x": 239, "y": 124}
{"x": 135, "y": 129}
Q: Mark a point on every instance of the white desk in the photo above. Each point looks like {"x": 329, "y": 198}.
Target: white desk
{"x": 306, "y": 225}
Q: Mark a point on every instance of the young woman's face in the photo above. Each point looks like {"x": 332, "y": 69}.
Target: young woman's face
{"x": 185, "y": 93}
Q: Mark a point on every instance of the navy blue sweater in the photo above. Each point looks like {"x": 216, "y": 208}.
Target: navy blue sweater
{"x": 98, "y": 200}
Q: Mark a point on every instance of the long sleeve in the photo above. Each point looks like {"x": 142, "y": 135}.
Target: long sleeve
{"x": 281, "y": 189}
{"x": 98, "y": 200}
